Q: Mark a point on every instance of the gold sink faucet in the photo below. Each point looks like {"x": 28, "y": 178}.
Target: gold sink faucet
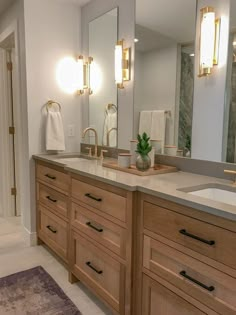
{"x": 96, "y": 139}
{"x": 108, "y": 136}
{"x": 232, "y": 173}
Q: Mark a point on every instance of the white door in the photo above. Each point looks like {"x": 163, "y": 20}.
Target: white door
{"x": 7, "y": 157}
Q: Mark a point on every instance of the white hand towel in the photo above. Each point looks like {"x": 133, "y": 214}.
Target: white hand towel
{"x": 158, "y": 127}
{"x": 55, "y": 139}
{"x": 110, "y": 123}
{"x": 145, "y": 121}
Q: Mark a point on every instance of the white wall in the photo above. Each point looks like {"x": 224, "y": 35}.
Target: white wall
{"x": 155, "y": 84}
{"x": 209, "y": 93}
{"x": 52, "y": 32}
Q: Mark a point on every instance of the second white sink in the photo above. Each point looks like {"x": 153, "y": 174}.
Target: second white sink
{"x": 216, "y": 194}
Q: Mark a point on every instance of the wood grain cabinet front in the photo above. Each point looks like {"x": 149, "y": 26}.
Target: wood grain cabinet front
{"x": 212, "y": 287}
{"x": 105, "y": 201}
{"x": 159, "y": 300}
{"x": 53, "y": 231}
{"x": 105, "y": 232}
{"x": 53, "y": 177}
{"x": 53, "y": 200}
{"x": 104, "y": 275}
{"x": 204, "y": 238}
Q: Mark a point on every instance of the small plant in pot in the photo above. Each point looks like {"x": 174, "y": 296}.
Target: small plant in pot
{"x": 143, "y": 161}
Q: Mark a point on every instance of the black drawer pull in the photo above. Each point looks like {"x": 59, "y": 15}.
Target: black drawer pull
{"x": 50, "y": 176}
{"x": 51, "y": 199}
{"x": 184, "y": 274}
{"x": 88, "y": 263}
{"x": 184, "y": 232}
{"x": 94, "y": 227}
{"x": 51, "y": 229}
{"x": 92, "y": 197}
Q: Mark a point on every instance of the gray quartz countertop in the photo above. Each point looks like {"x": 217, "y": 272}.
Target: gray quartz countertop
{"x": 165, "y": 186}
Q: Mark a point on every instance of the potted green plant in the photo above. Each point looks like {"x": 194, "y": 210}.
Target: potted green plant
{"x": 143, "y": 161}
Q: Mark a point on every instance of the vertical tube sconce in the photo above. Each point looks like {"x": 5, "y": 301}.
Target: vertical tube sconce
{"x": 80, "y": 73}
{"x": 90, "y": 60}
{"x": 122, "y": 64}
{"x": 209, "y": 41}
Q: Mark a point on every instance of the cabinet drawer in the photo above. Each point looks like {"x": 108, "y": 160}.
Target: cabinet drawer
{"x": 53, "y": 177}
{"x": 205, "y": 283}
{"x": 204, "y": 238}
{"x": 106, "y": 201}
{"x": 53, "y": 231}
{"x": 99, "y": 271}
{"x": 158, "y": 300}
{"x": 105, "y": 232}
{"x": 53, "y": 199}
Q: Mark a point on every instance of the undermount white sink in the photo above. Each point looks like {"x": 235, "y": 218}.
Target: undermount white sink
{"x": 216, "y": 194}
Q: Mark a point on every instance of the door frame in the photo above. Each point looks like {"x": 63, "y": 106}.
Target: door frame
{"x": 12, "y": 30}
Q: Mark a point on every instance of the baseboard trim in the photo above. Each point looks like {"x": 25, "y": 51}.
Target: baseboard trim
{"x": 30, "y": 237}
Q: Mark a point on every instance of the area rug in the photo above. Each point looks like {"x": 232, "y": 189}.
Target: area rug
{"x": 33, "y": 292}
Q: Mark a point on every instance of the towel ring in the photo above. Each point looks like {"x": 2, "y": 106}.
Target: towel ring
{"x": 50, "y": 103}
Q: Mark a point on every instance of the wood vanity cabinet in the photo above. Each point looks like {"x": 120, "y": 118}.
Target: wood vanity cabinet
{"x": 52, "y": 189}
{"x": 187, "y": 260}
{"x": 101, "y": 240}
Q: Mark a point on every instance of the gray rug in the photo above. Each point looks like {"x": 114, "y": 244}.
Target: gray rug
{"x": 33, "y": 292}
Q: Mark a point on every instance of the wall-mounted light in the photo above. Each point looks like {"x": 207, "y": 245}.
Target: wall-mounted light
{"x": 81, "y": 70}
{"x": 122, "y": 64}
{"x": 209, "y": 41}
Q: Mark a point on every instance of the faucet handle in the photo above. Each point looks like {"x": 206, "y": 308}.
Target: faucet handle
{"x": 102, "y": 154}
{"x": 90, "y": 150}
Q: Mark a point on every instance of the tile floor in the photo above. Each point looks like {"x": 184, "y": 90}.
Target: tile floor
{"x": 16, "y": 256}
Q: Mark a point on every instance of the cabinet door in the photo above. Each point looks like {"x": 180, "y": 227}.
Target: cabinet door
{"x": 158, "y": 300}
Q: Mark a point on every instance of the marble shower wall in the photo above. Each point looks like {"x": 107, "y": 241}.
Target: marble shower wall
{"x": 232, "y": 118}
{"x": 186, "y": 100}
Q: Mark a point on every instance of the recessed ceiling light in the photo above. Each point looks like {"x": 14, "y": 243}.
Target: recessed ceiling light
{"x": 191, "y": 55}
{"x": 234, "y": 43}
{"x": 136, "y": 40}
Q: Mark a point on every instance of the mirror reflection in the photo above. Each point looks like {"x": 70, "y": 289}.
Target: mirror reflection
{"x": 164, "y": 73}
{"x": 103, "y": 105}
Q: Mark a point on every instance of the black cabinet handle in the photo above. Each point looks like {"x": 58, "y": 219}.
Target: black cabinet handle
{"x": 184, "y": 274}
{"x": 51, "y": 229}
{"x": 184, "y": 232}
{"x": 92, "y": 197}
{"x": 94, "y": 227}
{"x": 50, "y": 176}
{"x": 88, "y": 263}
{"x": 51, "y": 199}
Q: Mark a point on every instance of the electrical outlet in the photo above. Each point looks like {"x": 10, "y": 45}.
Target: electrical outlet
{"x": 71, "y": 131}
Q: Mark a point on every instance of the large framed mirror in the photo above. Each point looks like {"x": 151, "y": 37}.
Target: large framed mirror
{"x": 164, "y": 73}
{"x": 103, "y": 106}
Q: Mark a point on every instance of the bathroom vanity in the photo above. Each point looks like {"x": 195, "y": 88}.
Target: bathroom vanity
{"x": 141, "y": 245}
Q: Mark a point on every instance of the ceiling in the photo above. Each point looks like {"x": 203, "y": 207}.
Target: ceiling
{"x": 4, "y": 4}
{"x": 173, "y": 19}
{"x": 80, "y": 3}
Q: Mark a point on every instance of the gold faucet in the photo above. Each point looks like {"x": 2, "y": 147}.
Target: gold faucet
{"x": 96, "y": 139}
{"x": 108, "y": 136}
{"x": 232, "y": 173}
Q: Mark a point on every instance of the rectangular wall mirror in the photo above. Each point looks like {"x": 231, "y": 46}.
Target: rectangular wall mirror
{"x": 164, "y": 73}
{"x": 103, "y": 106}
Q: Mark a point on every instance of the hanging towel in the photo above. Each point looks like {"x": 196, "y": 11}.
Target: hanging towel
{"x": 145, "y": 121}
{"x": 110, "y": 122}
{"x": 55, "y": 139}
{"x": 158, "y": 127}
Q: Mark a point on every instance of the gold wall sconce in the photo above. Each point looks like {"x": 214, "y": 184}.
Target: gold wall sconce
{"x": 83, "y": 70}
{"x": 122, "y": 64}
{"x": 209, "y": 41}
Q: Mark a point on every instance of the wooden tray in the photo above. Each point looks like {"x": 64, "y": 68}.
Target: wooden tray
{"x": 156, "y": 170}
